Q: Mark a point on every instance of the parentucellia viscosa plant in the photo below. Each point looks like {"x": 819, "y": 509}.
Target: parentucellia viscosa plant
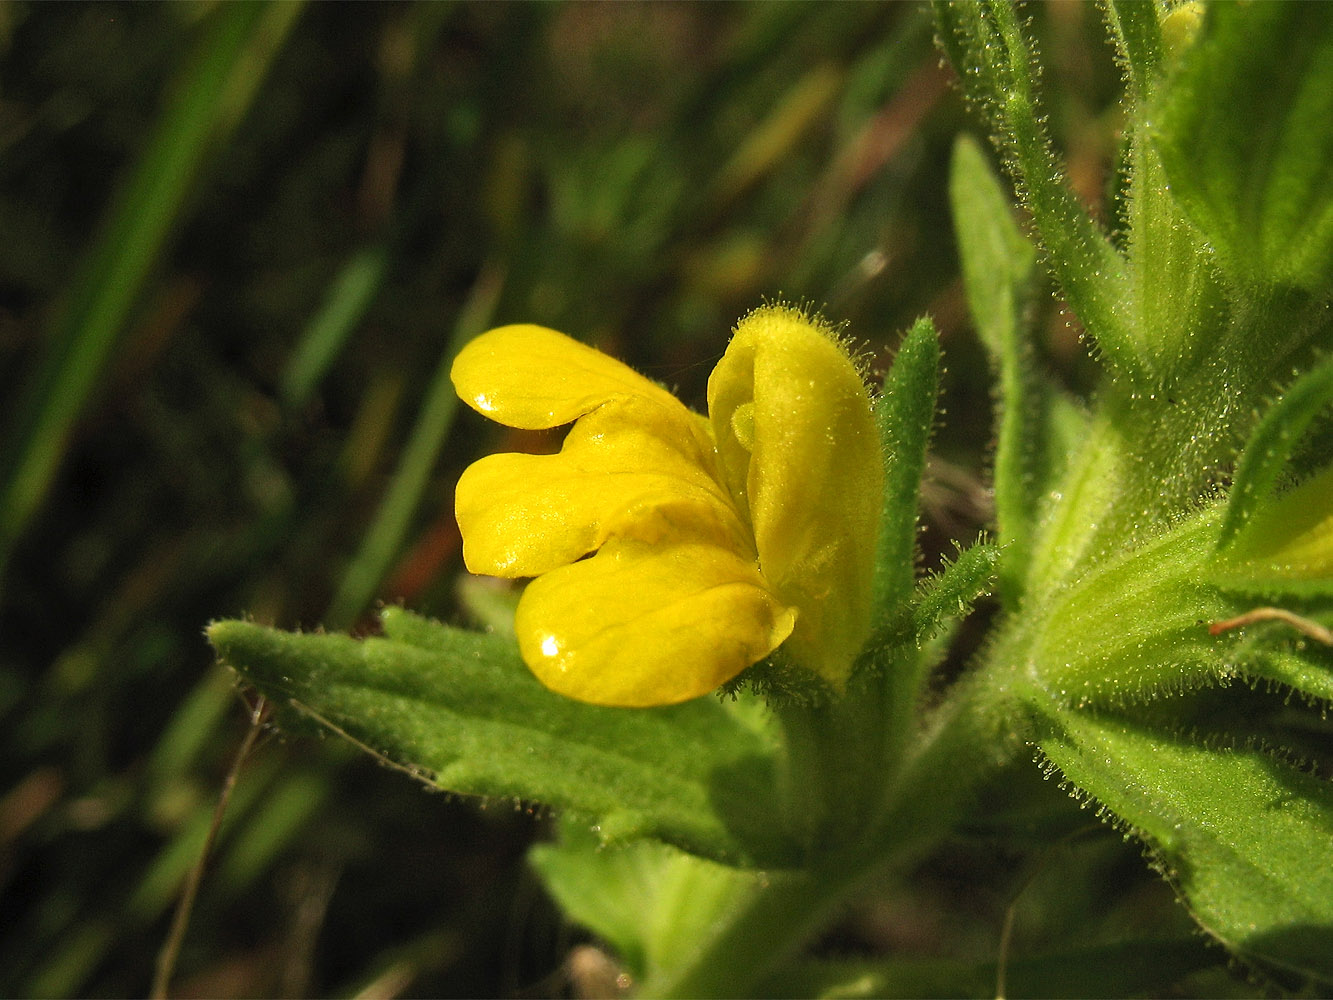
{"x": 1162, "y": 562}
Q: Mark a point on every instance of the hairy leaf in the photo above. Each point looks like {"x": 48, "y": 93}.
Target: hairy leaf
{"x": 987, "y": 46}
{"x": 1242, "y": 836}
{"x": 1138, "y": 34}
{"x": 459, "y": 710}
{"x": 905, "y": 413}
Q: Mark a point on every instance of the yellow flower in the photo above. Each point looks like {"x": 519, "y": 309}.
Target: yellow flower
{"x": 712, "y": 542}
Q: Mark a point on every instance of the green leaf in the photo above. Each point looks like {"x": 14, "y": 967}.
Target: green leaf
{"x": 901, "y": 650}
{"x": 651, "y": 902}
{"x": 1243, "y": 132}
{"x": 998, "y": 266}
{"x": 949, "y": 594}
{"x": 1271, "y": 445}
{"x": 459, "y": 710}
{"x": 1243, "y": 837}
{"x": 1278, "y": 653}
{"x": 1286, "y": 549}
{"x": 1175, "y": 302}
{"x": 997, "y": 260}
{"x": 1126, "y": 968}
{"x": 905, "y": 413}
{"x": 1133, "y": 626}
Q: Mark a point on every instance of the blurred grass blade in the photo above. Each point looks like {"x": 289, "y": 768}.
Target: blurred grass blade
{"x": 385, "y": 538}
{"x": 209, "y": 98}
{"x": 764, "y": 147}
{"x": 348, "y": 299}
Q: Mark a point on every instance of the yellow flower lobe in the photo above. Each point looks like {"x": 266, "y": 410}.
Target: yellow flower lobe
{"x": 670, "y": 552}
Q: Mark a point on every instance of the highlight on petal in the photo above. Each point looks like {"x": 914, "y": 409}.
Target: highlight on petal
{"x": 798, "y": 446}
{"x": 643, "y": 624}
{"x": 534, "y": 378}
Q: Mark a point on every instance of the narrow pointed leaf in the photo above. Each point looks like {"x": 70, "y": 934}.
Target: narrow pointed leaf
{"x": 905, "y": 413}
{"x": 944, "y": 597}
{"x": 1138, "y": 34}
{"x": 987, "y": 46}
{"x": 998, "y": 271}
{"x": 1272, "y": 444}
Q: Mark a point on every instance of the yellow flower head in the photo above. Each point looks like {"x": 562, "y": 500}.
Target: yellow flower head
{"x": 709, "y": 542}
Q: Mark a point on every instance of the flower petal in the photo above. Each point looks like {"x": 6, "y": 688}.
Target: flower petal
{"x": 531, "y": 377}
{"x": 631, "y": 468}
{"x": 797, "y": 441}
{"x": 641, "y": 624}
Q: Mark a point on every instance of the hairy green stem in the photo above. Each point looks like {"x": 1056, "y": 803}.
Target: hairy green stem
{"x": 776, "y": 916}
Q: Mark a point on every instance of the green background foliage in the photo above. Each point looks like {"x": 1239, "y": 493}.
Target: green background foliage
{"x": 246, "y": 241}
{"x": 240, "y": 244}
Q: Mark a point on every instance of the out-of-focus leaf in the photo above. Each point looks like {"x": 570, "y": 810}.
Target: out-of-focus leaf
{"x": 998, "y": 269}
{"x": 998, "y": 261}
{"x": 1287, "y": 547}
{"x": 1127, "y": 968}
{"x": 1243, "y": 132}
{"x": 650, "y": 901}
